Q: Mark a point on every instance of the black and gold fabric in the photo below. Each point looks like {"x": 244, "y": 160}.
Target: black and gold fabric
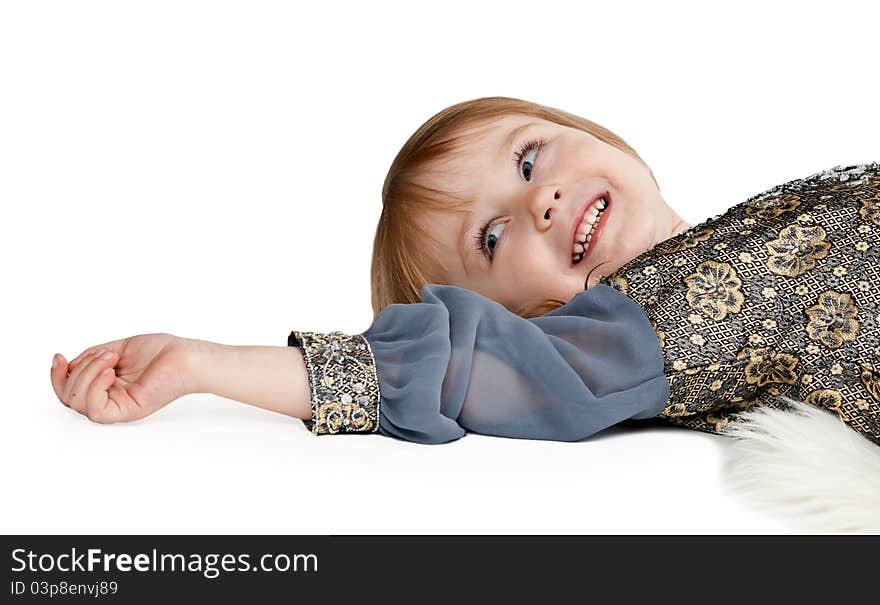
{"x": 342, "y": 381}
{"x": 777, "y": 297}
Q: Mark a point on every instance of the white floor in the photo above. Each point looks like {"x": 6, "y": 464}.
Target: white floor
{"x": 210, "y": 465}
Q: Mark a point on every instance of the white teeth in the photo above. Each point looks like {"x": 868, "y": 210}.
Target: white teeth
{"x": 585, "y": 230}
{"x": 584, "y": 239}
{"x": 582, "y": 247}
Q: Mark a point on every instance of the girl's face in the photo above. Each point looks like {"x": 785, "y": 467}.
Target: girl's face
{"x": 531, "y": 199}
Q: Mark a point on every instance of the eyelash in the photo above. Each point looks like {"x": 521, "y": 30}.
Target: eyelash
{"x": 480, "y": 239}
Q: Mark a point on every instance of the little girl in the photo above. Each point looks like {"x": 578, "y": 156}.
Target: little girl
{"x": 530, "y": 281}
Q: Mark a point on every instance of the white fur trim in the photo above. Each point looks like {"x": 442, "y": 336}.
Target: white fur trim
{"x": 806, "y": 465}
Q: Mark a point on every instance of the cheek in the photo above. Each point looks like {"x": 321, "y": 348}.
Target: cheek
{"x": 627, "y": 237}
{"x": 536, "y": 272}
{"x": 525, "y": 264}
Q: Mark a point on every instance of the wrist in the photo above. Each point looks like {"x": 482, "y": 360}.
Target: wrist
{"x": 198, "y": 357}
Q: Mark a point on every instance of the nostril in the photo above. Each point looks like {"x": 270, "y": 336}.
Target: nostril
{"x": 547, "y": 214}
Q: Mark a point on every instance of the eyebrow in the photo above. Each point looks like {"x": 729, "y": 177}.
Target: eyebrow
{"x": 466, "y": 226}
{"x": 511, "y": 138}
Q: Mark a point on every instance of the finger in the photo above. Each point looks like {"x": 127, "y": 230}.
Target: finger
{"x": 58, "y": 373}
{"x": 114, "y": 345}
{"x": 120, "y": 405}
{"x": 81, "y": 377}
{"x": 69, "y": 383}
{"x": 97, "y": 400}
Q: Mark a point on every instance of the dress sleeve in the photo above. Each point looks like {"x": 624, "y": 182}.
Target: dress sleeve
{"x": 429, "y": 372}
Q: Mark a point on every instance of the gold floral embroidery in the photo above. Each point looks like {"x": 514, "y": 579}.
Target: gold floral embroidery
{"x": 871, "y": 382}
{"x": 870, "y": 210}
{"x": 766, "y": 366}
{"x": 336, "y": 416}
{"x": 676, "y": 409}
{"x": 691, "y": 241}
{"x": 796, "y": 250}
{"x": 714, "y": 289}
{"x": 806, "y": 217}
{"x": 618, "y": 282}
{"x": 772, "y": 206}
{"x": 834, "y": 319}
{"x": 828, "y": 399}
{"x": 718, "y": 419}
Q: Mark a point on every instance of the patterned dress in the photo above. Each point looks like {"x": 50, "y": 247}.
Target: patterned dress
{"x": 777, "y": 297}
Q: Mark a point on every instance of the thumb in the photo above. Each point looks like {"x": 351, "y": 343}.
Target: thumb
{"x": 58, "y": 374}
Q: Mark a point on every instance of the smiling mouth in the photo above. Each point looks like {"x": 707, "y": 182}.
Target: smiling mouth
{"x": 588, "y": 231}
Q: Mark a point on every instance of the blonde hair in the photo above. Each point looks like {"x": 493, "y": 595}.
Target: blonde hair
{"x": 405, "y": 256}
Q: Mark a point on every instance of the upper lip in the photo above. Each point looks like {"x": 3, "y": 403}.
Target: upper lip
{"x": 576, "y": 220}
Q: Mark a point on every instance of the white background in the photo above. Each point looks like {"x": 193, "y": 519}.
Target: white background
{"x": 213, "y": 170}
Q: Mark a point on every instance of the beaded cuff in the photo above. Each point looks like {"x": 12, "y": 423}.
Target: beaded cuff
{"x": 343, "y": 382}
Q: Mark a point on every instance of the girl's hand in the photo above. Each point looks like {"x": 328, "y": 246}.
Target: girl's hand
{"x": 142, "y": 374}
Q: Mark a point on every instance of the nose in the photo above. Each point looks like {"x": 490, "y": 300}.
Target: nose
{"x": 543, "y": 204}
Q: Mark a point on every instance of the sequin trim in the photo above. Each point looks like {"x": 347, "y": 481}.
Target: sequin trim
{"x": 343, "y": 382}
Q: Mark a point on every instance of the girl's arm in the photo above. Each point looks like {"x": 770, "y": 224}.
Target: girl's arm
{"x": 455, "y": 362}
{"x": 273, "y": 378}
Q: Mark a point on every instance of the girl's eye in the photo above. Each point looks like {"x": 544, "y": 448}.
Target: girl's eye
{"x": 533, "y": 145}
{"x": 485, "y": 242}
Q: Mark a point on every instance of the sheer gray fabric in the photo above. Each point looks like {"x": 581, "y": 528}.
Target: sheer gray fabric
{"x": 459, "y": 361}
